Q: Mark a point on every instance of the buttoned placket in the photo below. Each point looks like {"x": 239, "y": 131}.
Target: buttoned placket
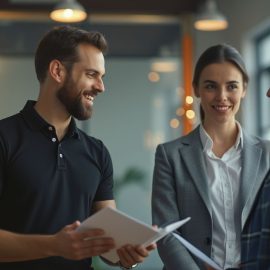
{"x": 61, "y": 164}
{"x": 225, "y": 192}
{"x": 228, "y": 205}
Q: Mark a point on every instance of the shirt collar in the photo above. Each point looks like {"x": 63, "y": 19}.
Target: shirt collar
{"x": 207, "y": 142}
{"x": 36, "y": 122}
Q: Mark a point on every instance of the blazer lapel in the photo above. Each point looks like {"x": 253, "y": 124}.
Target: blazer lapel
{"x": 192, "y": 155}
{"x": 252, "y": 175}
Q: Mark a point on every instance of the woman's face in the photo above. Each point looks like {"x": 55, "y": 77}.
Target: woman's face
{"x": 220, "y": 89}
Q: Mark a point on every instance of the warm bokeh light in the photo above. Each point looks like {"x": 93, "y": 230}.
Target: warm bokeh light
{"x": 189, "y": 99}
{"x": 68, "y": 15}
{"x": 174, "y": 123}
{"x": 190, "y": 114}
{"x": 164, "y": 66}
{"x": 153, "y": 76}
{"x": 180, "y": 111}
{"x": 211, "y": 25}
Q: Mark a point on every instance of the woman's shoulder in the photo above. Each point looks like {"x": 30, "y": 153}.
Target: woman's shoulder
{"x": 260, "y": 142}
{"x": 189, "y": 138}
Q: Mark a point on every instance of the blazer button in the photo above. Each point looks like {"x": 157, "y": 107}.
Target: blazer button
{"x": 208, "y": 241}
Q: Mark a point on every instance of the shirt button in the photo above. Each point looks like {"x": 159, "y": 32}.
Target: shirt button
{"x": 50, "y": 128}
{"x": 60, "y": 155}
{"x": 53, "y": 139}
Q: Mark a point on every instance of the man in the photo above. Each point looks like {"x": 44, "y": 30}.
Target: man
{"x": 256, "y": 235}
{"x": 51, "y": 173}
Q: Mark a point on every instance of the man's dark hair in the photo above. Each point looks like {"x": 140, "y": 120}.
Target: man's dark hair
{"x": 61, "y": 43}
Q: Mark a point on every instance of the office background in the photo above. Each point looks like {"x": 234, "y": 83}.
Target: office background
{"x": 138, "y": 109}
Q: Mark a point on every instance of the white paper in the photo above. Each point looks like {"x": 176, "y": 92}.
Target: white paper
{"x": 125, "y": 230}
{"x": 195, "y": 251}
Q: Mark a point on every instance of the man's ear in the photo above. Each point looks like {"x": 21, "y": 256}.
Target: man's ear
{"x": 57, "y": 71}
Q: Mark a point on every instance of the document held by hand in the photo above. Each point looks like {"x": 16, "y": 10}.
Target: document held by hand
{"x": 125, "y": 229}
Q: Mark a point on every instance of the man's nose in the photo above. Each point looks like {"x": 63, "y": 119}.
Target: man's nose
{"x": 99, "y": 86}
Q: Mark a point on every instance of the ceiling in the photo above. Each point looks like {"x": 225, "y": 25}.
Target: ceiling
{"x": 167, "y": 7}
{"x": 133, "y": 28}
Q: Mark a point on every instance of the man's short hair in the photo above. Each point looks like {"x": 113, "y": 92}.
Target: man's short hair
{"x": 61, "y": 43}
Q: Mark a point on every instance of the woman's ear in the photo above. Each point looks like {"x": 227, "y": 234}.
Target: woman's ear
{"x": 57, "y": 71}
{"x": 196, "y": 90}
{"x": 244, "y": 90}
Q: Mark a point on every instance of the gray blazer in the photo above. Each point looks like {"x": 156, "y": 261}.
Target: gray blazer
{"x": 180, "y": 190}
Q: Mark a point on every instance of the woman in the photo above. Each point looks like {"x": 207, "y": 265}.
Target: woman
{"x": 213, "y": 173}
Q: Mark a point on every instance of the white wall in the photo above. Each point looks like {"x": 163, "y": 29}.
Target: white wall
{"x": 17, "y": 83}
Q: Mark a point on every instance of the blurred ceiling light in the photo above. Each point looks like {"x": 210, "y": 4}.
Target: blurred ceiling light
{"x": 164, "y": 66}
{"x": 68, "y": 11}
{"x": 210, "y": 19}
{"x": 153, "y": 76}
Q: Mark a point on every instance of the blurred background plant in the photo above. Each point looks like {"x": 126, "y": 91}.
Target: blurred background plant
{"x": 132, "y": 175}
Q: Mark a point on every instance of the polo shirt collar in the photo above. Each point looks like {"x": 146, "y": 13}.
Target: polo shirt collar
{"x": 36, "y": 122}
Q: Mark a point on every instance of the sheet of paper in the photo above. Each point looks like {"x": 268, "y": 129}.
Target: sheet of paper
{"x": 125, "y": 229}
{"x": 164, "y": 231}
{"x": 195, "y": 251}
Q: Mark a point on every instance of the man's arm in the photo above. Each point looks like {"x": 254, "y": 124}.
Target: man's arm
{"x": 66, "y": 243}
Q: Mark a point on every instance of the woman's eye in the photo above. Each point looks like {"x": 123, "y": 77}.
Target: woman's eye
{"x": 210, "y": 86}
{"x": 232, "y": 86}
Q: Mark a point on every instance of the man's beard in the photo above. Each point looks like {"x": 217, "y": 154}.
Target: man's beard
{"x": 73, "y": 104}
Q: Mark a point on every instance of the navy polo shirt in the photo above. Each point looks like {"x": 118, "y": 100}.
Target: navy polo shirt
{"x": 46, "y": 184}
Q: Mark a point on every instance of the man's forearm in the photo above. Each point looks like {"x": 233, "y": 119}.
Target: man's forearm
{"x": 18, "y": 247}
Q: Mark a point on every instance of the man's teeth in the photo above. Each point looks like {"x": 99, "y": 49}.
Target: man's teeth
{"x": 89, "y": 97}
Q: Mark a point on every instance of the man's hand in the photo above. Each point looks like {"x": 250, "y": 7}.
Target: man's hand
{"x": 130, "y": 255}
{"x": 73, "y": 245}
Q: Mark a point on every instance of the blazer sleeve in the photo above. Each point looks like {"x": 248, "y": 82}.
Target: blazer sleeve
{"x": 164, "y": 211}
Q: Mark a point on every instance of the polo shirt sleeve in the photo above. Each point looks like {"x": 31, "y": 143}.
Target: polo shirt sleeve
{"x": 105, "y": 189}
